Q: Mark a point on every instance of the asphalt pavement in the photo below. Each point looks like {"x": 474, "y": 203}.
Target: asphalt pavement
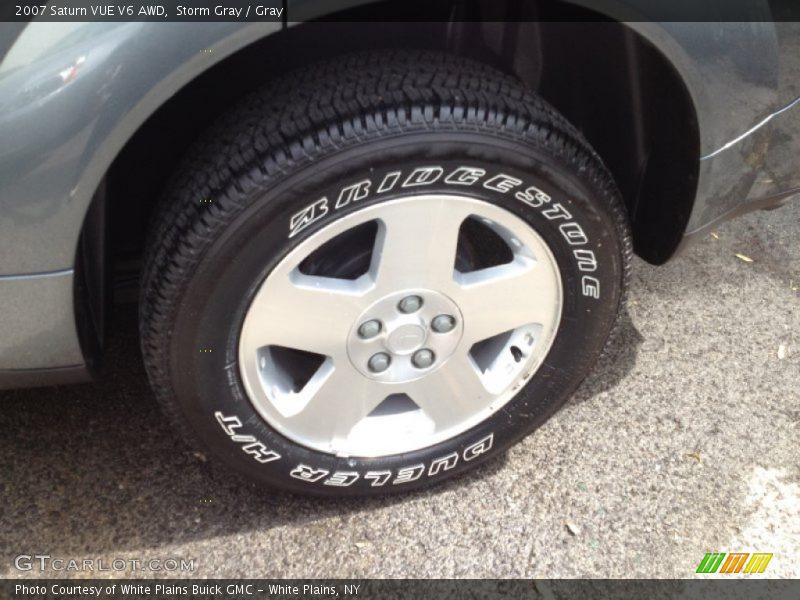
{"x": 683, "y": 441}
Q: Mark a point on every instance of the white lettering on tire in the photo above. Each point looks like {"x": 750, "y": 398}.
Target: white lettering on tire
{"x": 353, "y": 193}
{"x": 464, "y": 176}
{"x": 388, "y": 182}
{"x": 557, "y": 211}
{"x": 342, "y": 478}
{"x": 573, "y": 233}
{"x": 590, "y": 286}
{"x": 403, "y": 475}
{"x": 586, "y": 260}
{"x": 502, "y": 183}
{"x": 423, "y": 176}
{"x": 228, "y": 424}
{"x": 442, "y": 464}
{"x": 260, "y": 452}
{"x": 310, "y": 214}
{"x": 378, "y": 478}
{"x": 252, "y": 446}
{"x": 309, "y": 474}
{"x": 409, "y": 474}
{"x": 478, "y": 448}
{"x": 533, "y": 197}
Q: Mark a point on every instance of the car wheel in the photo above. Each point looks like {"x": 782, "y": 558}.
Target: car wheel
{"x": 378, "y": 272}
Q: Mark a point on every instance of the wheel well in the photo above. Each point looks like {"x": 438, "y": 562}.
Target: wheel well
{"x": 619, "y": 90}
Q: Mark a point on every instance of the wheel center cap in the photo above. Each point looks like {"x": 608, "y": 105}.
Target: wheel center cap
{"x": 406, "y": 338}
{"x": 394, "y": 340}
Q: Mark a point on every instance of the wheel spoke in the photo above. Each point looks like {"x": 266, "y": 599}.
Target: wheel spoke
{"x": 498, "y": 299}
{"x": 374, "y": 331}
{"x": 451, "y": 394}
{"x": 337, "y": 399}
{"x": 306, "y": 313}
{"x": 416, "y": 244}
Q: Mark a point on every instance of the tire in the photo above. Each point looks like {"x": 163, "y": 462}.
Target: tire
{"x": 325, "y": 200}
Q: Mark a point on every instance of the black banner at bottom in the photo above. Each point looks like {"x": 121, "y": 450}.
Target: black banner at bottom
{"x": 389, "y": 589}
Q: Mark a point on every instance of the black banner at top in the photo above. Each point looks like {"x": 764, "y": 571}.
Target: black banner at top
{"x": 386, "y": 589}
{"x": 400, "y": 11}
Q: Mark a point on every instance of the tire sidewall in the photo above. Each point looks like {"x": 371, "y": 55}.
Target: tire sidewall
{"x": 278, "y": 215}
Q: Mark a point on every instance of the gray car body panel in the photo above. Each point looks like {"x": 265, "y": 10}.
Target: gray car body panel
{"x": 38, "y": 325}
{"x": 70, "y": 100}
{"x": 67, "y": 133}
{"x": 64, "y": 131}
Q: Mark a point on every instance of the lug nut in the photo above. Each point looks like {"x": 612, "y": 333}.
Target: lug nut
{"x": 443, "y": 323}
{"x": 410, "y": 304}
{"x": 369, "y": 329}
{"x": 379, "y": 362}
{"x": 422, "y": 359}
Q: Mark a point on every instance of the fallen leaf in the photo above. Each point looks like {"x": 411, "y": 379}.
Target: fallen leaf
{"x": 744, "y": 258}
{"x": 694, "y": 455}
{"x": 714, "y": 235}
{"x": 200, "y": 456}
{"x": 781, "y": 352}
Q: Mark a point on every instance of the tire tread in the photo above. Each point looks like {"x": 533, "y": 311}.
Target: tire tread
{"x": 319, "y": 109}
